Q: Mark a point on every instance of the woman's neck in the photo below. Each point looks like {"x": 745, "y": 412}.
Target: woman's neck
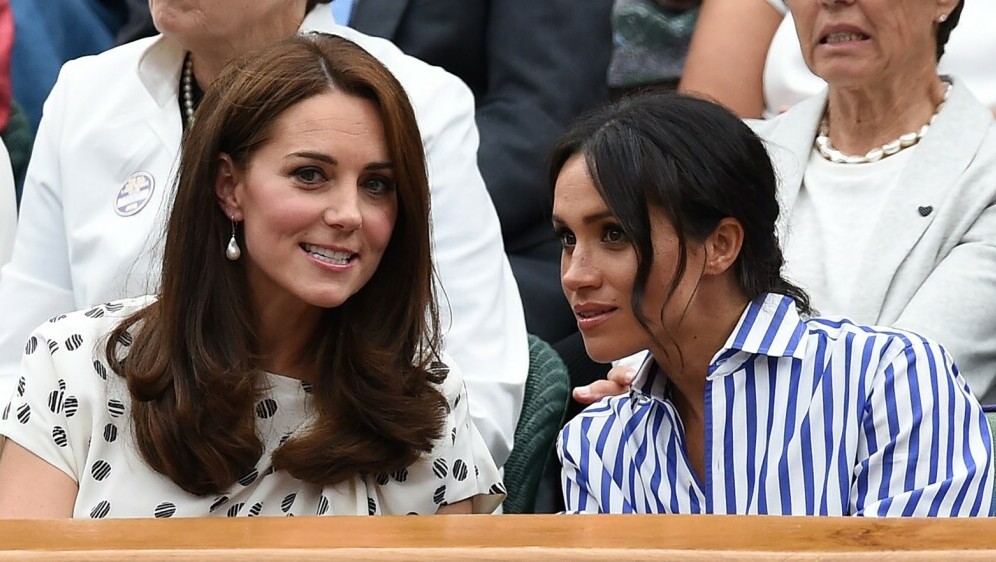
{"x": 210, "y": 55}
{"x": 284, "y": 333}
{"x": 863, "y": 118}
{"x": 710, "y": 319}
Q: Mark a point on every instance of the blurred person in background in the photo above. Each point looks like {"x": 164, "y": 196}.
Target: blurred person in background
{"x": 745, "y": 54}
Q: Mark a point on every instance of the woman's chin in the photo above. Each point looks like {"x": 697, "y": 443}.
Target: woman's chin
{"x": 606, "y": 352}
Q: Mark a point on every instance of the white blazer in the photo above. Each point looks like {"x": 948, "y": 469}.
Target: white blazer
{"x": 8, "y": 206}
{"x": 967, "y": 55}
{"x": 99, "y": 187}
{"x": 934, "y": 274}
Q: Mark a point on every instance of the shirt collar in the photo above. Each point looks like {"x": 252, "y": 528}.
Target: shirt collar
{"x": 769, "y": 326}
{"x": 159, "y": 69}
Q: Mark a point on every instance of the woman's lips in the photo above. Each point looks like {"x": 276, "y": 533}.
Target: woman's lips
{"x": 590, "y": 316}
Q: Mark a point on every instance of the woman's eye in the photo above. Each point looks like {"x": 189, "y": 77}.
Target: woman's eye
{"x": 378, "y": 185}
{"x": 614, "y": 235}
{"x": 566, "y": 237}
{"x": 309, "y": 175}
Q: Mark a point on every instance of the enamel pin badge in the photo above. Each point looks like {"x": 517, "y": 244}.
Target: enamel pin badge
{"x": 134, "y": 194}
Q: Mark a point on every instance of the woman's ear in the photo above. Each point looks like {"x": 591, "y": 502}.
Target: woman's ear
{"x": 722, "y": 247}
{"x": 227, "y": 187}
{"x": 945, "y": 7}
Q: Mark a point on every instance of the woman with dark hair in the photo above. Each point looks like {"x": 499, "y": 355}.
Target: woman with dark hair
{"x": 290, "y": 363}
{"x": 887, "y": 180}
{"x": 666, "y": 209}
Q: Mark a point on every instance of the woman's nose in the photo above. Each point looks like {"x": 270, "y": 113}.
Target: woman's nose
{"x": 577, "y": 271}
{"x": 343, "y": 211}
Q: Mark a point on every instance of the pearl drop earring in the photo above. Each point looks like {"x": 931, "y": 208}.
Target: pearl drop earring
{"x": 232, "y": 252}
{"x": 943, "y": 18}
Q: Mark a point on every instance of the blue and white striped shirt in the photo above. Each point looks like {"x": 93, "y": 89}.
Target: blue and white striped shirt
{"x": 801, "y": 417}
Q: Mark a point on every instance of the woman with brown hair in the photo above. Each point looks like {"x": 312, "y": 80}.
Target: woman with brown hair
{"x": 290, "y": 363}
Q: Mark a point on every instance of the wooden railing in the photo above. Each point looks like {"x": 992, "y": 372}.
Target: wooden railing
{"x": 518, "y": 537}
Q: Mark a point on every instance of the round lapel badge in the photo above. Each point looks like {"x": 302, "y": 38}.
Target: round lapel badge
{"x": 134, "y": 194}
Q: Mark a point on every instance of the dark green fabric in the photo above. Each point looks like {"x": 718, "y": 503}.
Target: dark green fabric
{"x": 543, "y": 407}
{"x": 18, "y": 139}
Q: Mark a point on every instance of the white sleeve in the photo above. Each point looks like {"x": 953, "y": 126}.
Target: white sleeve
{"x": 472, "y": 472}
{"x": 47, "y": 415}
{"x": 8, "y": 206}
{"x": 481, "y": 312}
{"x": 36, "y": 284}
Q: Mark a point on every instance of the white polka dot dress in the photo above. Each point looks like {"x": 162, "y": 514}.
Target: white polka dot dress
{"x": 72, "y": 411}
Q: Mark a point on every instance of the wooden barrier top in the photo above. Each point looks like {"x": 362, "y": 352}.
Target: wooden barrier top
{"x": 521, "y": 537}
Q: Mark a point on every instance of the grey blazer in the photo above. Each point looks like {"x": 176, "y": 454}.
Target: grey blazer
{"x": 932, "y": 269}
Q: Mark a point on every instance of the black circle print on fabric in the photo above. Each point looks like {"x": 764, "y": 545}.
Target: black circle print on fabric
{"x": 53, "y": 346}
{"x": 217, "y": 503}
{"x": 266, "y": 408}
{"x": 56, "y": 396}
{"x": 100, "y": 470}
{"x": 101, "y": 369}
{"x": 110, "y": 433}
{"x": 249, "y": 478}
{"x": 323, "y": 505}
{"x": 497, "y": 488}
{"x": 460, "y": 470}
{"x": 95, "y": 312}
{"x": 113, "y": 306}
{"x": 164, "y": 510}
{"x": 439, "y": 468}
{"x": 288, "y": 502}
{"x": 382, "y": 479}
{"x": 31, "y": 346}
{"x": 100, "y": 510}
{"x": 6, "y": 412}
{"x": 20, "y": 387}
{"x": 70, "y": 405}
{"x": 23, "y": 413}
{"x": 74, "y": 342}
{"x": 115, "y": 407}
{"x": 400, "y": 475}
{"x": 371, "y": 506}
{"x": 125, "y": 339}
{"x": 235, "y": 509}
{"x": 453, "y": 436}
{"x": 59, "y": 436}
{"x": 55, "y": 319}
{"x": 439, "y": 496}
{"x": 255, "y": 509}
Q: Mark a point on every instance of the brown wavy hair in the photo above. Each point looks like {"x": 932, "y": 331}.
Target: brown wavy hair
{"x": 192, "y": 357}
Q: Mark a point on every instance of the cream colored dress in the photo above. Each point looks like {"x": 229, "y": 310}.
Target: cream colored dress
{"x": 72, "y": 411}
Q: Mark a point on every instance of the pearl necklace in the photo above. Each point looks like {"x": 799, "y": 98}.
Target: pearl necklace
{"x": 187, "y": 85}
{"x": 830, "y": 153}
